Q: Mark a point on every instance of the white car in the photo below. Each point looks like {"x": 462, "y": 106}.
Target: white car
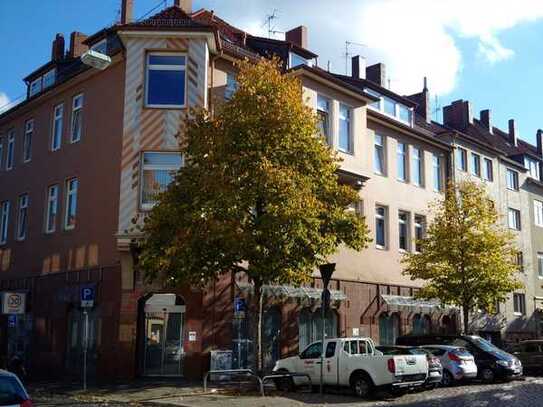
{"x": 12, "y": 391}
{"x": 458, "y": 363}
{"x": 354, "y": 362}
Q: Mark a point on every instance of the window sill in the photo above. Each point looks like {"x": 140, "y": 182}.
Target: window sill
{"x": 345, "y": 151}
{"x": 165, "y": 107}
{"x": 518, "y": 314}
{"x": 512, "y": 189}
{"x": 75, "y": 141}
{"x": 381, "y": 174}
{"x": 381, "y": 247}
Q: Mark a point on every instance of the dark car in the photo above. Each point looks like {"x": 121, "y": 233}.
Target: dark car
{"x": 12, "y": 391}
{"x": 435, "y": 370}
{"x": 492, "y": 362}
{"x": 530, "y": 354}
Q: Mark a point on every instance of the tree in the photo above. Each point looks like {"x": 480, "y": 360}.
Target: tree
{"x": 258, "y": 194}
{"x": 467, "y": 258}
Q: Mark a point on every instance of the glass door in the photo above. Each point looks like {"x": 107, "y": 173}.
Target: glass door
{"x": 163, "y": 344}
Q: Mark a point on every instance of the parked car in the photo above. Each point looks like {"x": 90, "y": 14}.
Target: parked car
{"x": 12, "y": 391}
{"x": 435, "y": 369}
{"x": 492, "y": 362}
{"x": 355, "y": 362}
{"x": 530, "y": 354}
{"x": 458, "y": 363}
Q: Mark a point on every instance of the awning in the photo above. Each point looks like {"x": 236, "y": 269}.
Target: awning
{"x": 293, "y": 292}
{"x": 403, "y": 301}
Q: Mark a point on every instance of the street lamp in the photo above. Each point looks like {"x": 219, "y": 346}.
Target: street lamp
{"x": 326, "y": 274}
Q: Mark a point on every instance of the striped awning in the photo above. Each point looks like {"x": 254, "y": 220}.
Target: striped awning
{"x": 412, "y": 302}
{"x": 290, "y": 291}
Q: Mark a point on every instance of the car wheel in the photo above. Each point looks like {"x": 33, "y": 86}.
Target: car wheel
{"x": 284, "y": 383}
{"x": 487, "y": 375}
{"x": 447, "y": 379}
{"x": 362, "y": 386}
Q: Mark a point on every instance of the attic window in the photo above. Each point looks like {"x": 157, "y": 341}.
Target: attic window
{"x": 49, "y": 78}
{"x": 391, "y": 107}
{"x": 296, "y": 60}
{"x": 35, "y": 86}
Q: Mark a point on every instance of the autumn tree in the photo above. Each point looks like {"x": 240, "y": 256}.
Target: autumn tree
{"x": 466, "y": 259}
{"x": 258, "y": 194}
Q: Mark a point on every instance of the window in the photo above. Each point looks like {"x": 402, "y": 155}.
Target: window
{"x": 22, "y": 217}
{"x": 313, "y": 351}
{"x": 519, "y": 304}
{"x": 330, "y": 349}
{"x": 512, "y": 179}
{"x": 27, "y": 141}
{"x": 345, "y": 139}
{"x": 52, "y": 209}
{"x": 4, "y": 222}
{"x": 540, "y": 265}
{"x": 462, "y": 159}
{"x": 401, "y": 154}
{"x": 488, "y": 174}
{"x": 49, "y": 79}
{"x": 403, "y": 229}
{"x": 77, "y": 118}
{"x": 166, "y": 80}
{"x": 532, "y": 166}
{"x": 519, "y": 260}
{"x": 538, "y": 213}
{"x": 404, "y": 113}
{"x": 476, "y": 164}
{"x": 10, "y": 157}
{"x": 231, "y": 85}
{"x": 71, "y": 203}
{"x": 56, "y": 139}
{"x": 390, "y": 106}
{"x": 357, "y": 207}
{"x": 377, "y": 104}
{"x": 379, "y": 155}
{"x": 323, "y": 113}
{"x": 296, "y": 60}
{"x": 420, "y": 222}
{"x": 380, "y": 227}
{"x": 437, "y": 172}
{"x": 35, "y": 86}
{"x": 157, "y": 173}
{"x": 417, "y": 167}
{"x": 513, "y": 218}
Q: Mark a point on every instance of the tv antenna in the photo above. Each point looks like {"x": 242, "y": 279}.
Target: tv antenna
{"x": 269, "y": 22}
{"x": 347, "y": 54}
{"x": 437, "y": 109}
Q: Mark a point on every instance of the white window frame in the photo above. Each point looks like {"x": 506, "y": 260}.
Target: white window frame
{"x": 518, "y": 304}
{"x": 76, "y": 109}
{"x": 513, "y": 219}
{"x": 143, "y": 167}
{"x": 58, "y": 117}
{"x": 47, "y": 81}
{"x": 385, "y": 226}
{"x": 420, "y": 224}
{"x": 4, "y": 221}
{"x": 231, "y": 85}
{"x": 538, "y": 213}
{"x": 166, "y": 68}
{"x": 27, "y": 139}
{"x": 488, "y": 170}
{"x": 51, "y": 205}
{"x": 417, "y": 159}
{"x": 10, "y": 153}
{"x": 383, "y": 156}
{"x": 22, "y": 211}
{"x": 349, "y": 120}
{"x": 70, "y": 192}
{"x": 515, "y": 179}
{"x": 328, "y": 136}
{"x": 540, "y": 265}
{"x": 476, "y": 164}
{"x": 406, "y": 224}
{"x": 437, "y": 163}
{"x": 35, "y": 86}
{"x": 403, "y": 155}
{"x": 532, "y": 165}
{"x": 463, "y": 154}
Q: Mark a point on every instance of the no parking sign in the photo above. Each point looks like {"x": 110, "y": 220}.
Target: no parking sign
{"x": 13, "y": 303}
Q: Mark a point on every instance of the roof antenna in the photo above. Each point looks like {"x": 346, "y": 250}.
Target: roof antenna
{"x": 329, "y": 66}
{"x": 437, "y": 109}
{"x": 347, "y": 54}
{"x": 269, "y": 19}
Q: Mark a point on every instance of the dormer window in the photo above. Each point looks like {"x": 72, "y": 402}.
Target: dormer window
{"x": 296, "y": 60}
{"x": 41, "y": 83}
{"x": 35, "y": 86}
{"x": 391, "y": 107}
{"x": 49, "y": 78}
{"x": 532, "y": 166}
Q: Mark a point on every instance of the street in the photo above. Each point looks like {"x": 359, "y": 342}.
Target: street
{"x": 521, "y": 393}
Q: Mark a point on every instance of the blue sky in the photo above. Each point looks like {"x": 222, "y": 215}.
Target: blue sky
{"x": 469, "y": 49}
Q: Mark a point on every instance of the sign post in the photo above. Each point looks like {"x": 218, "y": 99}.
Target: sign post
{"x": 87, "y": 301}
{"x": 326, "y": 274}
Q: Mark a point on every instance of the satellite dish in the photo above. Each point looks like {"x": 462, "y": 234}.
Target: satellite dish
{"x": 96, "y": 59}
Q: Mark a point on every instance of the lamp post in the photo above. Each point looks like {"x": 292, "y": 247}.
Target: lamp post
{"x": 326, "y": 274}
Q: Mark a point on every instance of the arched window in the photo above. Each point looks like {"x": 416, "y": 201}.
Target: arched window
{"x": 417, "y": 325}
{"x": 309, "y": 326}
{"x": 426, "y": 324}
{"x": 389, "y": 328}
{"x": 448, "y": 325}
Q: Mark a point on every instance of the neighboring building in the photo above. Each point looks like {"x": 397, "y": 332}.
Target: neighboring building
{"x": 83, "y": 156}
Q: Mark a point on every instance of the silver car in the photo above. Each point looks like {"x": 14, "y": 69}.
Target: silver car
{"x": 458, "y": 363}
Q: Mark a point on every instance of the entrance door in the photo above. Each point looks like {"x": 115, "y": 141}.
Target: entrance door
{"x": 270, "y": 337}
{"x": 163, "y": 336}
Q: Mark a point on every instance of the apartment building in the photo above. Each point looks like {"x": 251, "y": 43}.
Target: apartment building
{"x": 82, "y": 158}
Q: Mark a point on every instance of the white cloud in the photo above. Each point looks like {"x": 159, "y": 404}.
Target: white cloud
{"x": 4, "y": 102}
{"x": 415, "y": 38}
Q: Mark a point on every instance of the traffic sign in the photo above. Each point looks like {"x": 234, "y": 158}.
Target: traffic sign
{"x": 14, "y": 303}
{"x": 87, "y": 297}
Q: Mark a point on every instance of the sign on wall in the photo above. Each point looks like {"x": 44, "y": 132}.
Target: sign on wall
{"x": 13, "y": 303}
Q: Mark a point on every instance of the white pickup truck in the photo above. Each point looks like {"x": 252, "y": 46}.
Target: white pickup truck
{"x": 356, "y": 363}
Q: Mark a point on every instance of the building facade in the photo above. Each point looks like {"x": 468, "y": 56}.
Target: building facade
{"x": 82, "y": 158}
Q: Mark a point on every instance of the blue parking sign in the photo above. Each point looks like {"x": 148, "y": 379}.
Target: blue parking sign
{"x": 87, "y": 296}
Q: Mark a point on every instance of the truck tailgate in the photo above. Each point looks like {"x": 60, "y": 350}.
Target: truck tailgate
{"x": 411, "y": 366}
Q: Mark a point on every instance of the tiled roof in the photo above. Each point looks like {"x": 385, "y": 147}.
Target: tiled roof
{"x": 171, "y": 17}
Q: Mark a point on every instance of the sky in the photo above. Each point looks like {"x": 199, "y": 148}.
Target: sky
{"x": 487, "y": 51}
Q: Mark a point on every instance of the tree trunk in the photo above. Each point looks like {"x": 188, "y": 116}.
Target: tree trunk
{"x": 465, "y": 315}
{"x": 256, "y": 326}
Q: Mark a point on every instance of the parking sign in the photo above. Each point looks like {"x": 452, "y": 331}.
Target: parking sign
{"x": 87, "y": 297}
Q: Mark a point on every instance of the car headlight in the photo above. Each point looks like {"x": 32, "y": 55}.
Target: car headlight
{"x": 504, "y": 363}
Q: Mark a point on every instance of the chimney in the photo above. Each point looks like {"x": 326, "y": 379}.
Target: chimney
{"x": 57, "y": 51}
{"x": 77, "y": 48}
{"x": 539, "y": 137}
{"x": 185, "y": 5}
{"x": 127, "y": 11}
{"x": 358, "y": 67}
{"x": 458, "y": 114}
{"x": 422, "y": 99}
{"x": 485, "y": 117}
{"x": 377, "y": 74}
{"x": 297, "y": 36}
{"x": 513, "y": 132}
